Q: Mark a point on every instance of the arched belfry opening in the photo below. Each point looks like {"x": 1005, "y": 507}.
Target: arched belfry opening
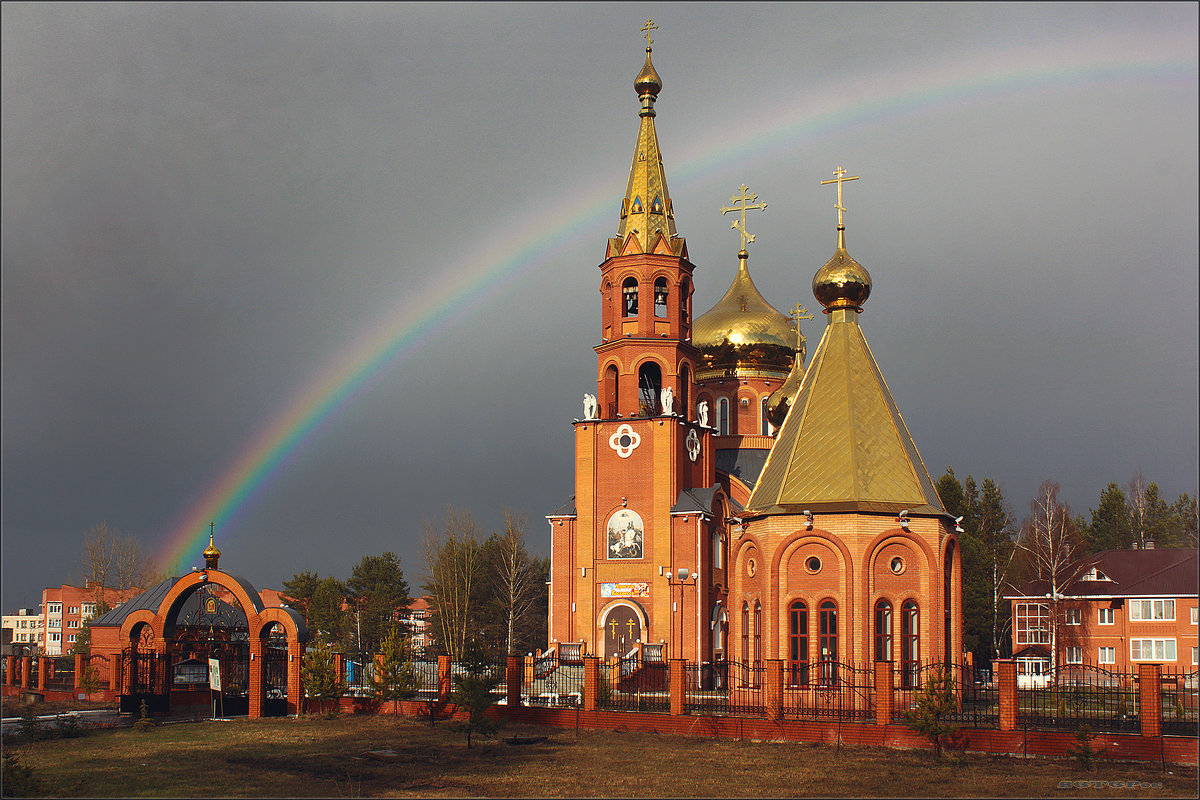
{"x": 650, "y": 384}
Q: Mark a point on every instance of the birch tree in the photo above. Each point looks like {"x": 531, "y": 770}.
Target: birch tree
{"x": 1053, "y": 553}
{"x": 454, "y": 556}
{"x": 515, "y": 580}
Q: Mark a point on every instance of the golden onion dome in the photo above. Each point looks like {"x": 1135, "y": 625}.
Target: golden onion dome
{"x": 842, "y": 282}
{"x": 647, "y": 81}
{"x": 744, "y": 331}
{"x": 781, "y": 399}
{"x": 211, "y": 554}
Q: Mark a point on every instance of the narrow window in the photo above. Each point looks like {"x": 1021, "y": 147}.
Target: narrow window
{"x": 762, "y": 415}
{"x": 660, "y": 298}
{"x": 798, "y": 644}
{"x": 757, "y": 633}
{"x": 910, "y": 644}
{"x": 610, "y": 392}
{"x": 649, "y": 389}
{"x": 745, "y": 633}
{"x": 828, "y": 643}
{"x": 883, "y": 631}
{"x": 630, "y": 292}
{"x": 723, "y": 416}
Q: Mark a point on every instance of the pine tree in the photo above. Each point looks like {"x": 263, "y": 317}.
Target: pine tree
{"x": 1110, "y": 528}
{"x": 395, "y": 676}
{"x": 320, "y": 675}
{"x": 473, "y": 690}
{"x": 936, "y": 702}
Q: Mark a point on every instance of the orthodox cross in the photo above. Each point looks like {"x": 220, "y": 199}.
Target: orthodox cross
{"x": 747, "y": 199}
{"x": 799, "y": 313}
{"x": 840, "y": 172}
{"x": 212, "y": 526}
{"x": 649, "y": 28}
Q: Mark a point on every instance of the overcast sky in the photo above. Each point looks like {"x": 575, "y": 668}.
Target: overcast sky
{"x": 206, "y": 208}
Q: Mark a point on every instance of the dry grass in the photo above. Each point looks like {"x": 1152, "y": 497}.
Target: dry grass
{"x": 313, "y": 757}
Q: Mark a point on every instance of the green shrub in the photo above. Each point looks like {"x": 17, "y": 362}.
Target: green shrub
{"x": 935, "y": 702}
{"x": 18, "y": 778}
{"x": 144, "y": 724}
{"x": 1083, "y": 751}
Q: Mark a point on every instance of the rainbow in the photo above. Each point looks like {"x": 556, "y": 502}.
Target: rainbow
{"x": 533, "y": 240}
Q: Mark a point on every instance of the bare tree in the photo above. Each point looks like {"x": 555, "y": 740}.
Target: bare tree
{"x": 515, "y": 578}
{"x": 1137, "y": 507}
{"x": 113, "y": 560}
{"x": 453, "y": 560}
{"x": 98, "y": 559}
{"x": 1053, "y": 550}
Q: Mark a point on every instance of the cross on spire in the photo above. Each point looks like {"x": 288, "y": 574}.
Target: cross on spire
{"x": 647, "y": 29}
{"x": 840, "y": 172}
{"x": 747, "y": 199}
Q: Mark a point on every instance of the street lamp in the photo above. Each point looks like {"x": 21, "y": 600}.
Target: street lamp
{"x": 683, "y": 577}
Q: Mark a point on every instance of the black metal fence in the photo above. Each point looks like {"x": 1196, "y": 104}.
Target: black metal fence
{"x": 60, "y": 676}
{"x": 101, "y": 667}
{"x": 978, "y": 698}
{"x": 1179, "y": 703}
{"x": 634, "y": 684}
{"x": 1081, "y": 694}
{"x": 725, "y": 687}
{"x": 555, "y": 683}
{"x": 834, "y": 690}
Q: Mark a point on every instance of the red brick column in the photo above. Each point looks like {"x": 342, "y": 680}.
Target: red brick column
{"x": 772, "y": 688}
{"x": 1150, "y": 698}
{"x": 25, "y": 672}
{"x": 1006, "y": 681}
{"x": 339, "y": 665}
{"x": 445, "y": 684}
{"x": 78, "y": 672}
{"x": 43, "y": 672}
{"x": 295, "y": 684}
{"x": 677, "y": 679}
{"x": 256, "y": 688}
{"x": 885, "y": 693}
{"x": 10, "y": 670}
{"x": 114, "y": 674}
{"x": 591, "y": 683}
{"x": 530, "y": 668}
{"x": 513, "y": 673}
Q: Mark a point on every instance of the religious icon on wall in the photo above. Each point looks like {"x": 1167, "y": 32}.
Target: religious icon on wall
{"x": 625, "y": 533}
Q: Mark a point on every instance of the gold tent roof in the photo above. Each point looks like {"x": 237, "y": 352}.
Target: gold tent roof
{"x": 744, "y": 330}
{"x": 843, "y": 445}
{"x": 646, "y": 211}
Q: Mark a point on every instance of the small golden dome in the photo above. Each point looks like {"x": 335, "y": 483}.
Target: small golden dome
{"x": 781, "y": 399}
{"x": 744, "y": 331}
{"x": 647, "y": 81}
{"x": 842, "y": 282}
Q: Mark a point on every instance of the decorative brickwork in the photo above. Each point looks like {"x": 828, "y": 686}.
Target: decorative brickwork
{"x": 1006, "y": 680}
{"x": 1150, "y": 698}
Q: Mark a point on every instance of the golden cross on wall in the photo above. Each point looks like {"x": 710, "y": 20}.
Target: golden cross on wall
{"x": 840, "y": 172}
{"x": 647, "y": 29}
{"x": 747, "y": 199}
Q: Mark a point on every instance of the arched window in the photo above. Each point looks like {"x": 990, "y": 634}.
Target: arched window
{"x": 828, "y": 643}
{"x": 762, "y": 415}
{"x": 798, "y": 644}
{"x": 649, "y": 387}
{"x": 685, "y": 318}
{"x": 883, "y": 631}
{"x": 629, "y": 292}
{"x": 948, "y": 604}
{"x": 717, "y": 560}
{"x": 745, "y": 633}
{"x": 610, "y": 392}
{"x": 910, "y": 643}
{"x": 758, "y": 654}
{"x": 685, "y": 382}
{"x": 660, "y": 298}
{"x": 723, "y": 416}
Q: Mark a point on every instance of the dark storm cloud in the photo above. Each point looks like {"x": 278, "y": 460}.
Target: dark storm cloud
{"x": 205, "y": 205}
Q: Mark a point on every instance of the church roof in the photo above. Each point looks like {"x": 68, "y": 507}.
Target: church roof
{"x": 743, "y": 329}
{"x": 646, "y": 212}
{"x": 844, "y": 445}
{"x": 567, "y": 509}
{"x": 742, "y": 463}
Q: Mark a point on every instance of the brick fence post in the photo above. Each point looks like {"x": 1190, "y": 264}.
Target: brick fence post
{"x": 677, "y": 680}
{"x": 445, "y": 669}
{"x": 25, "y": 673}
{"x": 1006, "y": 682}
{"x": 773, "y": 688}
{"x": 255, "y": 685}
{"x": 78, "y": 682}
{"x": 10, "y": 670}
{"x": 44, "y": 670}
{"x": 885, "y": 694}
{"x": 1150, "y": 698}
{"x": 591, "y": 683}
{"x": 295, "y": 683}
{"x": 513, "y": 673}
{"x": 114, "y": 674}
{"x": 339, "y": 665}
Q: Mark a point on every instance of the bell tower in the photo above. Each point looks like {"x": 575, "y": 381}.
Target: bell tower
{"x": 643, "y": 462}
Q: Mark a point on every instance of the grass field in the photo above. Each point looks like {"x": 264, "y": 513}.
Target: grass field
{"x": 373, "y": 756}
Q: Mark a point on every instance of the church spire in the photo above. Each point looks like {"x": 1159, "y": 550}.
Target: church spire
{"x": 647, "y": 222}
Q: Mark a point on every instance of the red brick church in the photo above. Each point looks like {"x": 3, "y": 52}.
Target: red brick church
{"x": 733, "y": 503}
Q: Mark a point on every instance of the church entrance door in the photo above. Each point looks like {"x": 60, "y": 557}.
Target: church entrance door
{"x": 622, "y": 629}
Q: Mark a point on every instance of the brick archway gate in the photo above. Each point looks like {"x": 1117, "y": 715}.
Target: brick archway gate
{"x": 166, "y": 635}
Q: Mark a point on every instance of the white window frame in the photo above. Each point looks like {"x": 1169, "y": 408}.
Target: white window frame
{"x": 1102, "y": 613}
{"x": 72, "y": 623}
{"x": 54, "y": 608}
{"x": 1156, "y": 608}
{"x": 74, "y": 610}
{"x": 1073, "y": 616}
{"x": 1195, "y": 656}
{"x": 1110, "y": 652}
{"x": 1137, "y": 649}
{"x": 1072, "y": 655}
{"x": 1196, "y": 615}
{"x": 1042, "y": 615}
